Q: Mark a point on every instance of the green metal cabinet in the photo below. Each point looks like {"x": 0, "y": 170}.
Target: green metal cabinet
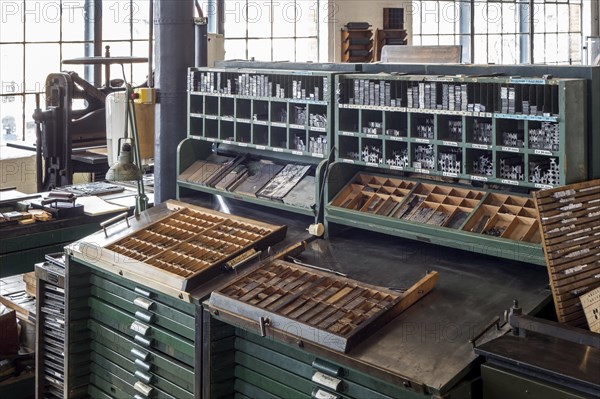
{"x": 126, "y": 339}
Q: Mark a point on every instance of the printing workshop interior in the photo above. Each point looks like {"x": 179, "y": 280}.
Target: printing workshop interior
{"x": 327, "y": 199}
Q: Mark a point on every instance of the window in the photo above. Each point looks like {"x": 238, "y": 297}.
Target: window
{"x": 274, "y": 31}
{"x": 501, "y": 31}
{"x": 36, "y": 35}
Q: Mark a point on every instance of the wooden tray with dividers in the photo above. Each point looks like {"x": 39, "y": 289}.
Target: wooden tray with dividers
{"x": 511, "y": 217}
{"x": 570, "y": 223}
{"x": 310, "y": 305}
{"x": 187, "y": 247}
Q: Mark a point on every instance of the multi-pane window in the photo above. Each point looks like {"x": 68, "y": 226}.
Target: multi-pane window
{"x": 36, "y": 35}
{"x": 274, "y": 30}
{"x": 502, "y": 31}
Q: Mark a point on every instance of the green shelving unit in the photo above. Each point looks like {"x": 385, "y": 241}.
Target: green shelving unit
{"x": 281, "y": 115}
{"x": 389, "y": 113}
{"x": 493, "y": 134}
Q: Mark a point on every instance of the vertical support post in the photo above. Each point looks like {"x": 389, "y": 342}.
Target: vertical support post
{"x": 174, "y": 49}
{"x": 98, "y": 41}
{"x": 466, "y": 30}
{"x": 524, "y": 27}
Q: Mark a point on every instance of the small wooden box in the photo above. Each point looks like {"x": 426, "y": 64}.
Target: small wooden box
{"x": 591, "y": 307}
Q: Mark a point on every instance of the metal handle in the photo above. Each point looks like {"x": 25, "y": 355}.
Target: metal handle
{"x": 140, "y": 354}
{"x": 319, "y": 393}
{"x": 142, "y": 340}
{"x": 142, "y": 292}
{"x": 327, "y": 381}
{"x": 143, "y": 388}
{"x": 144, "y": 377}
{"x": 114, "y": 220}
{"x": 327, "y": 368}
{"x": 139, "y": 328}
{"x": 142, "y": 365}
{"x": 138, "y": 396}
{"x": 144, "y": 316}
{"x": 143, "y": 303}
{"x": 263, "y": 322}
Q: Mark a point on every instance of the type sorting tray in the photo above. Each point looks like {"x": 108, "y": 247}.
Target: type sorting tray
{"x": 495, "y": 223}
{"x": 186, "y": 246}
{"x": 327, "y": 310}
{"x": 570, "y": 222}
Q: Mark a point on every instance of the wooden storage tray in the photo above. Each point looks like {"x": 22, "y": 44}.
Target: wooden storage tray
{"x": 570, "y": 227}
{"x": 310, "y": 305}
{"x": 188, "y": 247}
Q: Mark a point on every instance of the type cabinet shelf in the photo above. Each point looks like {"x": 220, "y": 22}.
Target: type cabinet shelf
{"x": 284, "y": 116}
{"x": 511, "y": 131}
{"x": 493, "y": 223}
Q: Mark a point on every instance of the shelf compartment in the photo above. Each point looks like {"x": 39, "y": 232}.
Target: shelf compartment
{"x": 297, "y": 140}
{"x": 544, "y": 171}
{"x": 450, "y": 160}
{"x": 479, "y": 131}
{"x": 242, "y": 132}
{"x": 423, "y": 156}
{"x": 396, "y": 154}
{"x": 348, "y": 148}
{"x": 227, "y": 107}
{"x": 450, "y": 128}
{"x": 278, "y": 137}
{"x": 260, "y": 135}
{"x": 348, "y": 120}
{"x": 279, "y": 112}
{"x": 212, "y": 128}
{"x": 211, "y": 105}
{"x": 372, "y": 151}
{"x": 196, "y": 104}
{"x": 498, "y": 225}
{"x": 480, "y": 163}
{"x": 226, "y": 130}
{"x": 396, "y": 124}
{"x": 422, "y": 126}
{"x": 243, "y": 109}
{"x": 510, "y": 166}
{"x": 510, "y": 133}
{"x": 196, "y": 126}
{"x": 371, "y": 122}
{"x": 260, "y": 110}
{"x": 480, "y": 218}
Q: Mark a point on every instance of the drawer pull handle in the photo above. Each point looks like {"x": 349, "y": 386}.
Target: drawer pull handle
{"x": 263, "y": 322}
{"x": 327, "y": 381}
{"x": 138, "y": 396}
{"x": 114, "y": 220}
{"x": 143, "y": 388}
{"x": 142, "y": 292}
{"x": 327, "y": 368}
{"x": 143, "y": 316}
{"x": 145, "y": 377}
{"x": 140, "y": 354}
{"x": 318, "y": 393}
{"x": 143, "y": 303}
{"x": 142, "y": 340}
{"x": 143, "y": 365}
{"x": 139, "y": 328}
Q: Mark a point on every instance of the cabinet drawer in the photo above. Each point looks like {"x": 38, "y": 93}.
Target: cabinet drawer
{"x": 166, "y": 300}
{"x": 146, "y": 316}
{"x": 149, "y": 336}
{"x": 354, "y": 384}
{"x": 155, "y": 301}
{"x": 169, "y": 368}
{"x": 123, "y": 379}
{"x": 146, "y": 361}
{"x": 146, "y": 376}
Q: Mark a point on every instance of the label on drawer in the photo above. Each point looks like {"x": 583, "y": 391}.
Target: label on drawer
{"x": 326, "y": 380}
{"x": 139, "y": 328}
{"x": 321, "y": 394}
{"x": 542, "y": 152}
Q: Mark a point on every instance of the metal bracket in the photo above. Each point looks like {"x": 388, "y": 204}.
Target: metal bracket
{"x": 263, "y": 322}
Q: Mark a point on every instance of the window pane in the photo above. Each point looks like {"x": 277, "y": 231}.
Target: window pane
{"x": 446, "y": 40}
{"x": 140, "y": 13}
{"x": 306, "y": 18}
{"x": 429, "y": 40}
{"x": 11, "y": 116}
{"x": 119, "y": 49}
{"x": 563, "y": 20}
{"x": 140, "y": 71}
{"x": 480, "y": 50}
{"x": 284, "y": 49}
{"x": 42, "y": 21}
{"x": 494, "y": 49}
{"x": 73, "y": 21}
{"x": 115, "y": 20}
{"x": 284, "y": 16}
{"x": 449, "y": 14}
{"x": 235, "y": 49}
{"x": 235, "y": 24}
{"x": 29, "y": 123}
{"x": 11, "y": 64}
{"x": 11, "y": 28}
{"x": 429, "y": 17}
{"x": 510, "y": 54}
{"x": 40, "y": 61}
{"x": 539, "y": 49}
{"x": 258, "y": 18}
{"x": 73, "y": 50}
{"x": 306, "y": 50}
{"x": 260, "y": 50}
